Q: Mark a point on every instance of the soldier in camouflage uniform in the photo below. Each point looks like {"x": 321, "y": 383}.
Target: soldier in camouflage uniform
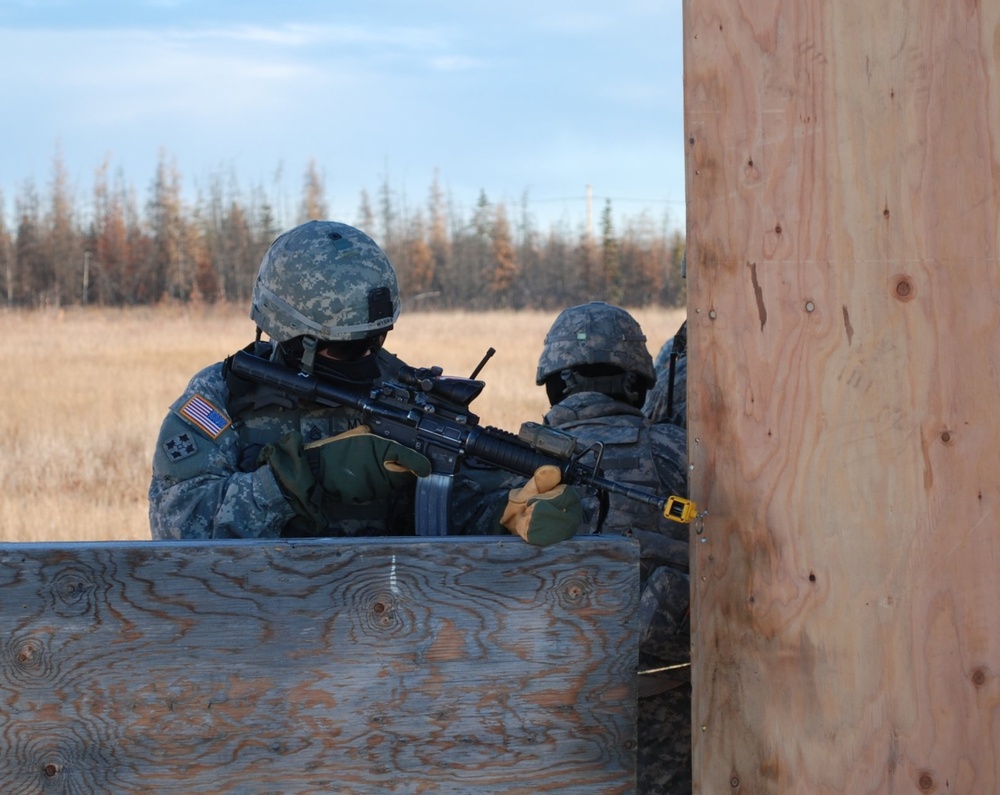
{"x": 597, "y": 370}
{"x": 667, "y": 400}
{"x": 239, "y": 459}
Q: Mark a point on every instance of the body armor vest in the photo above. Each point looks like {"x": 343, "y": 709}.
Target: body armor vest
{"x": 627, "y": 458}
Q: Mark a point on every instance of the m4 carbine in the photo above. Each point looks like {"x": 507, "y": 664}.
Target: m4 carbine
{"x": 429, "y": 412}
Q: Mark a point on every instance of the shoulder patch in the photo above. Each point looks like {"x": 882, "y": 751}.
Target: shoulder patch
{"x": 180, "y": 446}
{"x": 205, "y": 416}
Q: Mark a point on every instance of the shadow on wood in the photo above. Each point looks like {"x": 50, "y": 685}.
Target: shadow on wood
{"x": 455, "y": 665}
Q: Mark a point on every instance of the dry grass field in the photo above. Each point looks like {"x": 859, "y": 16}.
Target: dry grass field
{"x": 85, "y": 392}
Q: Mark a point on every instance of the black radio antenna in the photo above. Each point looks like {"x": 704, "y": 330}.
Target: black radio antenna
{"x": 482, "y": 364}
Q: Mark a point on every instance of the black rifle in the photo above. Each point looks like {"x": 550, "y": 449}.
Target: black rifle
{"x": 429, "y": 412}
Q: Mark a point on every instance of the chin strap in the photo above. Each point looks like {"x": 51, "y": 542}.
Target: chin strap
{"x": 618, "y": 384}
{"x": 308, "y": 354}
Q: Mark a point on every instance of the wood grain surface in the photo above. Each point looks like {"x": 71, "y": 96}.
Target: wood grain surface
{"x": 349, "y": 666}
{"x": 844, "y": 405}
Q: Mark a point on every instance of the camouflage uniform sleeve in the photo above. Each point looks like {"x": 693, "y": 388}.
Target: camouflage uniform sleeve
{"x": 664, "y": 616}
{"x": 656, "y": 406}
{"x": 198, "y": 489}
{"x": 669, "y": 445}
{"x": 478, "y": 498}
{"x": 664, "y": 610}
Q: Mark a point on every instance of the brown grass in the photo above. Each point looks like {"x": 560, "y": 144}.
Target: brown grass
{"x": 85, "y": 392}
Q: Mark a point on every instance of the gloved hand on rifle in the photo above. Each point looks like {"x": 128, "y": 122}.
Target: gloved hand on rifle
{"x": 353, "y": 467}
{"x": 357, "y": 466}
{"x": 291, "y": 469}
{"x": 543, "y": 511}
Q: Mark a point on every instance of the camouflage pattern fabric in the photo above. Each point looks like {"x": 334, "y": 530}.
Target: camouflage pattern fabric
{"x": 635, "y": 451}
{"x": 199, "y": 489}
{"x": 206, "y": 483}
{"x": 657, "y": 406}
{"x": 595, "y": 333}
{"x": 320, "y": 279}
{"x": 652, "y": 456}
{"x": 664, "y": 754}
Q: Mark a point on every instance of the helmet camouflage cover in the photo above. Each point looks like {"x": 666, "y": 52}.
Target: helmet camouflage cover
{"x": 595, "y": 333}
{"x": 325, "y": 280}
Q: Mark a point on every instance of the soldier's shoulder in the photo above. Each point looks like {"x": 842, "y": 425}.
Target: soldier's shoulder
{"x": 668, "y": 432}
{"x": 669, "y": 444}
{"x": 197, "y": 423}
{"x": 210, "y": 382}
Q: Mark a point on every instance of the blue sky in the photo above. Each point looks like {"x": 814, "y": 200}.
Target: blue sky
{"x": 519, "y": 99}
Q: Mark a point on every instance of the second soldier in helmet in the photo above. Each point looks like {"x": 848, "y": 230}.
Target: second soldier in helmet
{"x": 597, "y": 370}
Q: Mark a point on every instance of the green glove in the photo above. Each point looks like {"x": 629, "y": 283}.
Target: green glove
{"x": 543, "y": 511}
{"x": 358, "y": 467}
{"x": 291, "y": 469}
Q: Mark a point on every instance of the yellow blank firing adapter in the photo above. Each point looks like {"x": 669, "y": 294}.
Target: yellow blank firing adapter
{"x": 680, "y": 510}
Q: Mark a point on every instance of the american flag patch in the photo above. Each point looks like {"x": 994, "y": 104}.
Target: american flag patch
{"x": 205, "y": 416}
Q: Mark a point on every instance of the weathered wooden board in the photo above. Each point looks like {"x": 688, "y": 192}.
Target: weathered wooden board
{"x": 844, "y": 305}
{"x": 349, "y": 666}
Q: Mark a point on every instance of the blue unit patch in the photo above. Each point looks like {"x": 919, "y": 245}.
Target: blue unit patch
{"x": 180, "y": 447}
{"x": 205, "y": 416}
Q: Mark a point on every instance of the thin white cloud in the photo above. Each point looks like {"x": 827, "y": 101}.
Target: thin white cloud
{"x": 118, "y": 75}
{"x": 299, "y": 35}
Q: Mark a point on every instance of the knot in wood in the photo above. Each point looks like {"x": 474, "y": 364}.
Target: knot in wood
{"x": 903, "y": 288}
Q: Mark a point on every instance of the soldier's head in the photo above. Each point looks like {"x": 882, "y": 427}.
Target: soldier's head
{"x": 596, "y": 347}
{"x": 325, "y": 291}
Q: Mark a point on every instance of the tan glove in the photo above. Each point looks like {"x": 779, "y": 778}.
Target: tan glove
{"x": 543, "y": 511}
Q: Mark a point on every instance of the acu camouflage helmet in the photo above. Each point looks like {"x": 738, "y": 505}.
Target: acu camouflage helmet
{"x": 592, "y": 334}
{"x": 325, "y": 280}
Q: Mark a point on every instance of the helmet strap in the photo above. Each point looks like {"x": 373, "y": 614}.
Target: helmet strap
{"x": 308, "y": 354}
{"x": 617, "y": 385}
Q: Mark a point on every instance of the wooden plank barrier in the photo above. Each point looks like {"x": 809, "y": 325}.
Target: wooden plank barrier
{"x": 843, "y": 182}
{"x": 456, "y": 665}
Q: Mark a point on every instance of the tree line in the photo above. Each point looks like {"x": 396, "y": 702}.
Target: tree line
{"x": 119, "y": 251}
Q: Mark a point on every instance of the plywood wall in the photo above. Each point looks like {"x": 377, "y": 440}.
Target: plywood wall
{"x": 365, "y": 666}
{"x": 843, "y": 168}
